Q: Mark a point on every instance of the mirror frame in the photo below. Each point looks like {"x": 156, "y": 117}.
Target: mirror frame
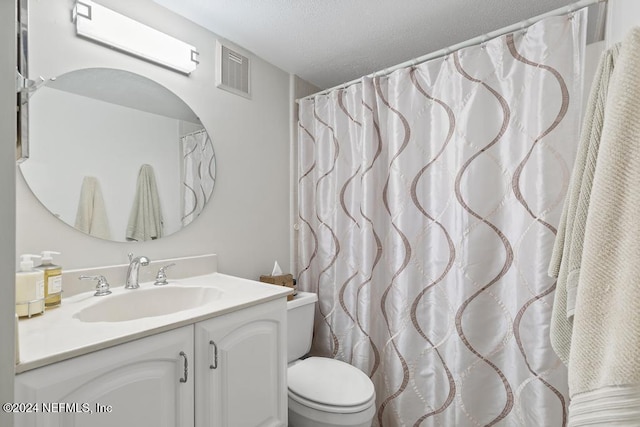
{"x": 22, "y": 89}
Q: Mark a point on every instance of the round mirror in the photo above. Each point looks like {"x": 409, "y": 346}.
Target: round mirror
{"x": 117, "y": 155}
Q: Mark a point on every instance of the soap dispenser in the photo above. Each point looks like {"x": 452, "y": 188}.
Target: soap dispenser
{"x": 52, "y": 280}
{"x": 29, "y": 288}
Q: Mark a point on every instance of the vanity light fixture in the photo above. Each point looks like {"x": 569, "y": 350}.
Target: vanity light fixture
{"x": 105, "y": 26}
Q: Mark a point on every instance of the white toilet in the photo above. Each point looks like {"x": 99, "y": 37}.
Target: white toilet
{"x": 323, "y": 392}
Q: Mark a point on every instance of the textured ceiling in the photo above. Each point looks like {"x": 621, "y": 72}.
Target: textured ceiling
{"x": 328, "y": 42}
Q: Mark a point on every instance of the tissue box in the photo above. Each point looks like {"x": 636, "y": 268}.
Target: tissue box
{"x": 281, "y": 280}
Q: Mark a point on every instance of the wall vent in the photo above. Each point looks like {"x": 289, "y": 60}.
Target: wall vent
{"x": 233, "y": 71}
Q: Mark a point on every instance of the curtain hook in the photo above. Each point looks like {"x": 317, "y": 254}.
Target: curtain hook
{"x": 483, "y": 42}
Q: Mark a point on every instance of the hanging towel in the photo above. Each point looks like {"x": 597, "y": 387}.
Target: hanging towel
{"x": 145, "y": 220}
{"x": 604, "y": 365}
{"x": 567, "y": 251}
{"x": 91, "y": 217}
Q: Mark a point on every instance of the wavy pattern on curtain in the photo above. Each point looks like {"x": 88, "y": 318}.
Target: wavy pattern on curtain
{"x": 199, "y": 172}
{"x": 428, "y": 205}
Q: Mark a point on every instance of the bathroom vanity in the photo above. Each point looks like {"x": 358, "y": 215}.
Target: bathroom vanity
{"x": 220, "y": 360}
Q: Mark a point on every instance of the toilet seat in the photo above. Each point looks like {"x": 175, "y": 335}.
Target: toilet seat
{"x": 329, "y": 385}
{"x": 328, "y": 408}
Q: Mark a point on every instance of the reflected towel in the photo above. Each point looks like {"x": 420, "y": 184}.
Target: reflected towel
{"x": 91, "y": 217}
{"x": 145, "y": 220}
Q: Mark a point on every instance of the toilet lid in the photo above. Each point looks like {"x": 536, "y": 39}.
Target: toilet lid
{"x": 329, "y": 382}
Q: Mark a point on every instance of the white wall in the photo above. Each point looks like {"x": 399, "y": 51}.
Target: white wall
{"x": 7, "y": 207}
{"x": 299, "y": 88}
{"x": 247, "y": 221}
{"x": 622, "y": 15}
{"x": 65, "y": 130}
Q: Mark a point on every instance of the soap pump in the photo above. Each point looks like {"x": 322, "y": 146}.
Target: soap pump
{"x": 52, "y": 279}
{"x": 29, "y": 288}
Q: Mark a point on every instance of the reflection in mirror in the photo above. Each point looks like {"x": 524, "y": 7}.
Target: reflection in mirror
{"x": 117, "y": 155}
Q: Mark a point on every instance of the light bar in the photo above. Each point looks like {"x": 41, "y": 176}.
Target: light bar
{"x": 103, "y": 25}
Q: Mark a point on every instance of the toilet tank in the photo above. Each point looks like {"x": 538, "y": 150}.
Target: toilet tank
{"x": 300, "y": 313}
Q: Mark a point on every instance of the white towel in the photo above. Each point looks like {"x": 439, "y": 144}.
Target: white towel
{"x": 567, "y": 252}
{"x": 145, "y": 220}
{"x": 604, "y": 361}
{"x": 91, "y": 217}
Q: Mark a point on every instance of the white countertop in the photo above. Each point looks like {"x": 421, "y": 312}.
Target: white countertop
{"x": 57, "y": 335}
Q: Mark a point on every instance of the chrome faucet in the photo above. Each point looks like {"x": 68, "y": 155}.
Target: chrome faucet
{"x": 132, "y": 272}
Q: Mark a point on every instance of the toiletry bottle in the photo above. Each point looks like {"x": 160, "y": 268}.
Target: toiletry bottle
{"x": 52, "y": 280}
{"x": 29, "y": 288}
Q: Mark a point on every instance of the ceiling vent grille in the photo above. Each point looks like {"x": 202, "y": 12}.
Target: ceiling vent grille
{"x": 233, "y": 73}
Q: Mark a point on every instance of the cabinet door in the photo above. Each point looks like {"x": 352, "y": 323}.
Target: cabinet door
{"x": 133, "y": 384}
{"x": 241, "y": 368}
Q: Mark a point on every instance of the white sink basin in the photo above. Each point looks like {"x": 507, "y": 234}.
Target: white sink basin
{"x": 147, "y": 302}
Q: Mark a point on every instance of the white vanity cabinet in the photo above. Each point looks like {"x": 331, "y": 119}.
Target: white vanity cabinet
{"x": 242, "y": 382}
{"x": 140, "y": 383}
{"x": 236, "y": 377}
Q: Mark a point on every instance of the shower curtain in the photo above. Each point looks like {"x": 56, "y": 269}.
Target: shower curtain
{"x": 428, "y": 205}
{"x": 198, "y": 173}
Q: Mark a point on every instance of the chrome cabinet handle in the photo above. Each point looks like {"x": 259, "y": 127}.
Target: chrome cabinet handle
{"x": 186, "y": 367}
{"x": 214, "y": 365}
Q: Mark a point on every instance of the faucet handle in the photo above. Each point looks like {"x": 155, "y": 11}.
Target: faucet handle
{"x": 102, "y": 287}
{"x": 161, "y": 277}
